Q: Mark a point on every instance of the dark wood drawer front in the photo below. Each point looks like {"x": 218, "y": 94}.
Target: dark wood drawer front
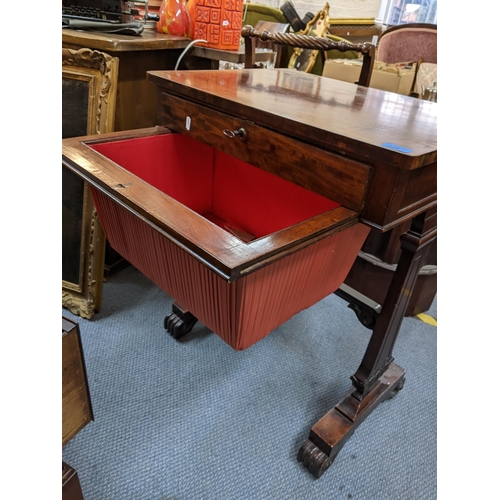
{"x": 322, "y": 172}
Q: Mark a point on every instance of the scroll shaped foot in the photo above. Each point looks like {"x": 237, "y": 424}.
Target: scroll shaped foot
{"x": 314, "y": 460}
{"x": 179, "y": 322}
{"x": 333, "y": 430}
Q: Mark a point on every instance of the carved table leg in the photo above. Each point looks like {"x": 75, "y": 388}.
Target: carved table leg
{"x": 378, "y": 378}
{"x": 179, "y": 322}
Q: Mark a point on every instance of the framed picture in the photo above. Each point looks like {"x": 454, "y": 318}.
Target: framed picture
{"x": 304, "y": 59}
{"x": 89, "y": 82}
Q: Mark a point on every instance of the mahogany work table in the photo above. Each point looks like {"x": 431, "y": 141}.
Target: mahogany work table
{"x": 373, "y": 152}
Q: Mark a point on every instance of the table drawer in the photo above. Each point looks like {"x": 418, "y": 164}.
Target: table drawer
{"x": 323, "y": 172}
{"x": 76, "y": 403}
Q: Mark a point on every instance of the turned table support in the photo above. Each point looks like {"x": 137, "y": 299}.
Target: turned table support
{"x": 378, "y": 377}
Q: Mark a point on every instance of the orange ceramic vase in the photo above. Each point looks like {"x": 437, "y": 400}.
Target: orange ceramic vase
{"x": 174, "y": 18}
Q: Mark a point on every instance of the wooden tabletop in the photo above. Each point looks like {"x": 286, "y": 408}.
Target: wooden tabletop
{"x": 339, "y": 116}
{"x": 152, "y": 40}
{"x": 113, "y": 42}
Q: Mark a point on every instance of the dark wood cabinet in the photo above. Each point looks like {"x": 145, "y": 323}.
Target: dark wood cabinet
{"x": 76, "y": 402}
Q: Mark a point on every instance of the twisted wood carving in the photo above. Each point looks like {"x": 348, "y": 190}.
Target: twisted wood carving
{"x": 367, "y": 50}
{"x": 305, "y": 41}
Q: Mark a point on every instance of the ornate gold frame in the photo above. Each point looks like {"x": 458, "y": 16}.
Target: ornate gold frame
{"x": 317, "y": 26}
{"x": 97, "y": 72}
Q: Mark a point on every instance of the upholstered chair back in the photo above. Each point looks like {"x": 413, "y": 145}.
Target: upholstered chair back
{"x": 408, "y": 42}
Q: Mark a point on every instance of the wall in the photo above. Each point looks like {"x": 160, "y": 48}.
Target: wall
{"x": 338, "y": 8}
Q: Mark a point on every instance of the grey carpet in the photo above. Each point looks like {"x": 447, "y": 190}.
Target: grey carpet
{"x": 192, "y": 419}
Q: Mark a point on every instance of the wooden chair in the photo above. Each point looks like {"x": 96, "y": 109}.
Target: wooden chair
{"x": 282, "y": 57}
{"x": 409, "y": 42}
{"x": 265, "y": 17}
{"x": 250, "y": 34}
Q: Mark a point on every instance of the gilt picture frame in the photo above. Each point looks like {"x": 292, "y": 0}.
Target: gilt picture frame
{"x": 89, "y": 88}
{"x": 304, "y": 59}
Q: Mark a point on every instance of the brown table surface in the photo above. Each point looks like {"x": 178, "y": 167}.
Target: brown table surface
{"x": 328, "y": 111}
{"x": 113, "y": 42}
{"x": 152, "y": 40}
{"x": 392, "y": 133}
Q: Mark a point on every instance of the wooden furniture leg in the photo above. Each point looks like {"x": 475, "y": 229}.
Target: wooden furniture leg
{"x": 378, "y": 377}
{"x": 71, "y": 489}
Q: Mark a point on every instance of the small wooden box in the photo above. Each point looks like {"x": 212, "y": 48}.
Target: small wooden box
{"x": 76, "y": 404}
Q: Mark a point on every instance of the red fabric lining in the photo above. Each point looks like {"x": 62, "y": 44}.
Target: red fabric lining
{"x": 246, "y": 310}
{"x": 172, "y": 163}
{"x": 258, "y": 202}
{"x": 206, "y": 180}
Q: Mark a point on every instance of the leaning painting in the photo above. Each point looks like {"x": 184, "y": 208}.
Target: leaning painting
{"x": 89, "y": 80}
